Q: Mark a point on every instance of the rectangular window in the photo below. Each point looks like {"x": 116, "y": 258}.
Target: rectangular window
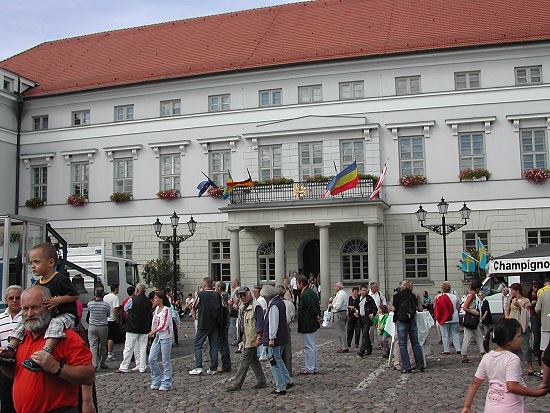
{"x": 123, "y": 113}
{"x": 351, "y": 90}
{"x": 472, "y": 151}
{"x": 270, "y": 162}
{"x": 271, "y": 97}
{"x": 353, "y": 151}
{"x": 170, "y": 108}
{"x": 534, "y": 152}
{"x": 166, "y": 251}
{"x": 220, "y": 261}
{"x": 411, "y": 156}
{"x": 39, "y": 182}
{"x": 218, "y": 103}
{"x": 467, "y": 80}
{"x": 80, "y": 178}
{"x": 311, "y": 159}
{"x": 538, "y": 236}
{"x": 122, "y": 250}
{"x": 220, "y": 165}
{"x": 415, "y": 256}
{"x": 8, "y": 84}
{"x": 531, "y": 75}
{"x": 124, "y": 173}
{"x": 81, "y": 118}
{"x": 170, "y": 172}
{"x": 408, "y": 85}
{"x": 40, "y": 122}
{"x": 470, "y": 240}
{"x": 309, "y": 94}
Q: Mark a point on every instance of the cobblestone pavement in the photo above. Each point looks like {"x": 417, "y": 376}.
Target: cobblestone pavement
{"x": 345, "y": 383}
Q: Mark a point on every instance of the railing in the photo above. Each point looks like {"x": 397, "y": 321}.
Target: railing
{"x": 296, "y": 191}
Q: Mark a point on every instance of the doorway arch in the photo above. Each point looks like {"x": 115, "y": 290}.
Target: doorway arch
{"x": 311, "y": 258}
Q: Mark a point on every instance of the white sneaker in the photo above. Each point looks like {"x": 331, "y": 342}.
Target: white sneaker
{"x": 195, "y": 372}
{"x": 162, "y": 388}
{"x": 211, "y": 372}
{"x": 153, "y": 387}
{"x": 135, "y": 368}
{"x": 111, "y": 357}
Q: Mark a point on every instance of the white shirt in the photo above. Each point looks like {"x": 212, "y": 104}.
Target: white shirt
{"x": 293, "y": 283}
{"x": 379, "y": 299}
{"x": 7, "y": 325}
{"x": 262, "y": 302}
{"x": 340, "y": 301}
{"x": 290, "y": 311}
{"x": 112, "y": 300}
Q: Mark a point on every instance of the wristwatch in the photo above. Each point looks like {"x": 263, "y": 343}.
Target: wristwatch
{"x": 59, "y": 369}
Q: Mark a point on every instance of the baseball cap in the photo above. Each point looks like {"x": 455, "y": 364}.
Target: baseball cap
{"x": 242, "y": 290}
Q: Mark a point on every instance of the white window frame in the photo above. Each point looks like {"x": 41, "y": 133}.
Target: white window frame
{"x": 311, "y": 159}
{"x": 469, "y": 240}
{"x": 416, "y": 263}
{"x": 170, "y": 108}
{"x": 8, "y": 84}
{"x": 80, "y": 179}
{"x": 124, "y": 113}
{"x": 170, "y": 178}
{"x": 352, "y": 150}
{"x": 219, "y": 103}
{"x": 411, "y": 165}
{"x": 40, "y": 122}
{"x": 355, "y": 90}
{"x": 80, "y": 117}
{"x": 536, "y": 237}
{"x": 354, "y": 258}
{"x": 528, "y": 75}
{"x": 270, "y": 97}
{"x": 270, "y": 162}
{"x": 266, "y": 263}
{"x": 468, "y": 80}
{"x": 310, "y": 94}
{"x": 39, "y": 182}
{"x": 219, "y": 166}
{"x": 471, "y": 156}
{"x": 123, "y": 170}
{"x": 166, "y": 252}
{"x": 405, "y": 85}
{"x": 220, "y": 260}
{"x": 534, "y": 158}
{"x": 122, "y": 250}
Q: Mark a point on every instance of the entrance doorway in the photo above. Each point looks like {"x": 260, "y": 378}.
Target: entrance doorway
{"x": 311, "y": 258}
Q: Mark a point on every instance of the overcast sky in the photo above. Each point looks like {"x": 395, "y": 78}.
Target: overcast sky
{"x": 27, "y": 23}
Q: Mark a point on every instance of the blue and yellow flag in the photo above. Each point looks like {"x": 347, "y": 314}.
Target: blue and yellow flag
{"x": 468, "y": 263}
{"x": 482, "y": 255}
{"x": 347, "y": 179}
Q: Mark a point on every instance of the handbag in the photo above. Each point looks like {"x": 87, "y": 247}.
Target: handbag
{"x": 470, "y": 321}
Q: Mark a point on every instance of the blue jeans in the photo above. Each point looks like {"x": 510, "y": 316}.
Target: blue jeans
{"x": 163, "y": 346}
{"x": 310, "y": 356}
{"x": 233, "y": 328}
{"x": 200, "y": 337}
{"x": 449, "y": 331}
{"x": 409, "y": 330}
{"x": 279, "y": 371}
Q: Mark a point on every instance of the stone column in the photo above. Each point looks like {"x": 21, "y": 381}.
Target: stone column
{"x": 324, "y": 255}
{"x": 372, "y": 240}
{"x": 234, "y": 252}
{"x": 279, "y": 254}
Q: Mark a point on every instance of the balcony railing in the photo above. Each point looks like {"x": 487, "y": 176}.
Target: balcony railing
{"x": 296, "y": 191}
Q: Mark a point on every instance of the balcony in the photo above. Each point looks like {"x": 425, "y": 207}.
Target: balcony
{"x": 296, "y": 191}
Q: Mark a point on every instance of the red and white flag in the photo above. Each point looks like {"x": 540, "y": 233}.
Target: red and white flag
{"x": 379, "y": 183}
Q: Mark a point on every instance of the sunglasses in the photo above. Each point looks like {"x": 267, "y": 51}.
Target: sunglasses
{"x": 13, "y": 298}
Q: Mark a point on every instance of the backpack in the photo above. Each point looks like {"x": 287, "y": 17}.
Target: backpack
{"x": 407, "y": 310}
{"x": 443, "y": 309}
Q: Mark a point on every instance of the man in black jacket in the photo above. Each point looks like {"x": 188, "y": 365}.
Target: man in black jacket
{"x": 138, "y": 325}
{"x": 354, "y": 325}
{"x": 367, "y": 311}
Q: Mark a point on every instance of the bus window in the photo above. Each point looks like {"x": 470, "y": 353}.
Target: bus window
{"x": 112, "y": 274}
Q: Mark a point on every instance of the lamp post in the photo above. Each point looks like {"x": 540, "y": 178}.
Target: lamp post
{"x": 175, "y": 240}
{"x": 443, "y": 229}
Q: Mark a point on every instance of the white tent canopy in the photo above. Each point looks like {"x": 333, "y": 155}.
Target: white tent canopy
{"x": 530, "y": 260}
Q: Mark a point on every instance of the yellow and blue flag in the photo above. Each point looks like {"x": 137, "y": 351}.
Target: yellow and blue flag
{"x": 482, "y": 255}
{"x": 347, "y": 179}
{"x": 468, "y": 263}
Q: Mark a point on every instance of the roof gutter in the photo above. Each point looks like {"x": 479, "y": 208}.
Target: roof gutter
{"x": 20, "y": 102}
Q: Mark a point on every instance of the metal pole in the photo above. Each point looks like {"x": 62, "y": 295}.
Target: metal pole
{"x": 174, "y": 256}
{"x": 444, "y": 231}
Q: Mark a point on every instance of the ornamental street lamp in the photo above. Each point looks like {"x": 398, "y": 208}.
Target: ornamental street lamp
{"x": 175, "y": 240}
{"x": 443, "y": 229}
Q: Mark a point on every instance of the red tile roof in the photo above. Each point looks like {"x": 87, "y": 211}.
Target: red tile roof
{"x": 278, "y": 35}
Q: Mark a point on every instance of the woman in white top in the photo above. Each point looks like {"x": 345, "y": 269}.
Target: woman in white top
{"x": 161, "y": 330}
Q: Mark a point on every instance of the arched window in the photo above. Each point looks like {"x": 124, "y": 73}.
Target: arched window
{"x": 266, "y": 263}
{"x": 354, "y": 260}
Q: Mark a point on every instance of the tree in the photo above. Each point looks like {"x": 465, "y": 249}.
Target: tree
{"x": 160, "y": 273}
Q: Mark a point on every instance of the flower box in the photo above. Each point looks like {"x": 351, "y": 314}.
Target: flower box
{"x": 118, "y": 197}
{"x": 215, "y": 192}
{"x": 537, "y": 175}
{"x": 169, "y": 194}
{"x": 76, "y": 200}
{"x": 34, "y": 202}
{"x": 479, "y": 174}
{"x": 412, "y": 180}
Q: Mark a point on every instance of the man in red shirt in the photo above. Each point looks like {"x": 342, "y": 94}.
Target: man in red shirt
{"x": 69, "y": 365}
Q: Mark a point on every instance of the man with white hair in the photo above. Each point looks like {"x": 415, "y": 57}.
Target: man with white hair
{"x": 339, "y": 307}
{"x": 379, "y": 299}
